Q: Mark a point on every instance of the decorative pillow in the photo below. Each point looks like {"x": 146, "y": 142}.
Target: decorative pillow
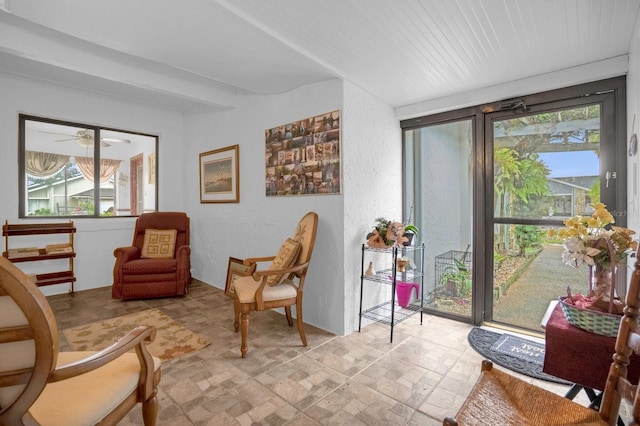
{"x": 287, "y": 256}
{"x": 159, "y": 243}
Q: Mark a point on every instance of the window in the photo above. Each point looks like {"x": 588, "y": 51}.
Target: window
{"x": 64, "y": 173}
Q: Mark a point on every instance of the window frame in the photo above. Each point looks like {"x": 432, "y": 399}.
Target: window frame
{"x": 23, "y": 193}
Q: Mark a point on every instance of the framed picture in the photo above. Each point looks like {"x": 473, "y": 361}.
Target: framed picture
{"x": 152, "y": 169}
{"x": 303, "y": 157}
{"x": 220, "y": 176}
{"x": 236, "y": 269}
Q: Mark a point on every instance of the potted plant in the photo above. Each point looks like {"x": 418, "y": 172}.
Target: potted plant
{"x": 389, "y": 233}
{"x": 409, "y": 232}
{"x": 456, "y": 279}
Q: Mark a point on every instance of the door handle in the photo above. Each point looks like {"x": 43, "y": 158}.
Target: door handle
{"x": 607, "y": 176}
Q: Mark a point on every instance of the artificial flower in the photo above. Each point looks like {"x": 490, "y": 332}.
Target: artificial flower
{"x": 586, "y": 239}
{"x": 595, "y": 241}
{"x": 575, "y": 253}
{"x": 388, "y": 233}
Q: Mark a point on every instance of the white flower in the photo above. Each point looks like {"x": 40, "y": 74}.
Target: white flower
{"x": 575, "y": 253}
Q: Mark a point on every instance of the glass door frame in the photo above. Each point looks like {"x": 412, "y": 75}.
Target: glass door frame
{"x": 613, "y": 90}
{"x": 612, "y": 103}
{"x": 411, "y": 184}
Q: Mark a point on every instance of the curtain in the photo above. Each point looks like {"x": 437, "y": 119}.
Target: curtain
{"x": 108, "y": 168}
{"x": 44, "y": 164}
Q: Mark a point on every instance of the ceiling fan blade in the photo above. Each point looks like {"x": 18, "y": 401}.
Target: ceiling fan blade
{"x": 115, "y": 140}
{"x": 56, "y": 133}
{"x": 65, "y": 140}
{"x": 104, "y": 144}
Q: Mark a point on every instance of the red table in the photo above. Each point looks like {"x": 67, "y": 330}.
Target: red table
{"x": 579, "y": 356}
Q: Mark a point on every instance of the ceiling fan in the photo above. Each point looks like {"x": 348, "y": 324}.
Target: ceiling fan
{"x": 85, "y": 138}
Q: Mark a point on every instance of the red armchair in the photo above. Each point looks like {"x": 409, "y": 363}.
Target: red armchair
{"x": 145, "y": 272}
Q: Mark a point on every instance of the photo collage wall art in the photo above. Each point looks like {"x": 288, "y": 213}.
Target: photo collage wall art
{"x": 303, "y": 157}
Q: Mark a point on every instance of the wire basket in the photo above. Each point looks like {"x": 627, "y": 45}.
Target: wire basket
{"x": 601, "y": 323}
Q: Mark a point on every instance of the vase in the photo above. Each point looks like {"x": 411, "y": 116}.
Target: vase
{"x": 370, "y": 270}
{"x": 601, "y": 282}
{"x": 409, "y": 237}
{"x": 401, "y": 264}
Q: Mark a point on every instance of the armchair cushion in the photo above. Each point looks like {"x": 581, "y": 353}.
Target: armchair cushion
{"x": 113, "y": 382}
{"x": 246, "y": 288}
{"x": 159, "y": 243}
{"x": 287, "y": 256}
{"x": 150, "y": 266}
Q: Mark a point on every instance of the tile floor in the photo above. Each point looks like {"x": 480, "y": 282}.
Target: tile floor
{"x": 359, "y": 379}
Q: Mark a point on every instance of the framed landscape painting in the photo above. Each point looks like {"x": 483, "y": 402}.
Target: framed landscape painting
{"x": 220, "y": 176}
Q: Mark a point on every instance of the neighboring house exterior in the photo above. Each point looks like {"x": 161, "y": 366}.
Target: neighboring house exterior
{"x": 571, "y": 195}
{"x": 79, "y": 192}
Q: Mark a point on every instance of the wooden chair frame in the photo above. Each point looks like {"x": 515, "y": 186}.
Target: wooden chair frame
{"x": 41, "y": 328}
{"x": 296, "y": 272}
{"x": 501, "y": 398}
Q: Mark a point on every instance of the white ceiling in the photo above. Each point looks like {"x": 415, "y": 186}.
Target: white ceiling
{"x": 208, "y": 51}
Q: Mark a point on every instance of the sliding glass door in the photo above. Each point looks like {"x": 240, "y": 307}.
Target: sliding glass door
{"x": 486, "y": 183}
{"x": 442, "y": 182}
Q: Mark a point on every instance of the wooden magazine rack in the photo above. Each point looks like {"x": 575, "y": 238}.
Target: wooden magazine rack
{"x": 61, "y": 250}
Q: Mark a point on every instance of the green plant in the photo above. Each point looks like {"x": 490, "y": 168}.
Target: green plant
{"x": 42, "y": 212}
{"x": 458, "y": 277}
{"x": 387, "y": 233}
{"x": 528, "y": 237}
{"x": 411, "y": 229}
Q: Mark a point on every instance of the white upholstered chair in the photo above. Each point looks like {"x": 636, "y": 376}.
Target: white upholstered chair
{"x": 39, "y": 385}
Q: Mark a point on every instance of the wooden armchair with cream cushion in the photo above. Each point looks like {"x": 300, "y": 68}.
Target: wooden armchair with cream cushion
{"x": 158, "y": 262}
{"x": 279, "y": 286}
{"x": 41, "y": 386}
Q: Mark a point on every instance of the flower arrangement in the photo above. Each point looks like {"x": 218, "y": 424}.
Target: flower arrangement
{"x": 595, "y": 241}
{"x": 389, "y": 233}
{"x": 586, "y": 239}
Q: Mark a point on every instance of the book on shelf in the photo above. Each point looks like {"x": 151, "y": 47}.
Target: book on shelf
{"x": 58, "y": 248}
{"x": 24, "y": 252}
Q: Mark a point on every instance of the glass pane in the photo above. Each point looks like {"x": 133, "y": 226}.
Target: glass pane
{"x": 52, "y": 175}
{"x": 60, "y": 171}
{"x": 546, "y": 166}
{"x": 532, "y": 276}
{"x": 442, "y": 160}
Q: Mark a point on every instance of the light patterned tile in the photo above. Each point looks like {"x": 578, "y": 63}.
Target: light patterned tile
{"x": 302, "y": 381}
{"x": 356, "y": 404}
{"x": 342, "y": 355}
{"x": 249, "y": 403}
{"x": 359, "y": 379}
{"x": 404, "y": 382}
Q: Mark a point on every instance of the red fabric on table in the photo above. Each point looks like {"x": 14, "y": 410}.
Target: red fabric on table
{"x": 579, "y": 356}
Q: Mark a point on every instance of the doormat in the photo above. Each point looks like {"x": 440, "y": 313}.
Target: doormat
{"x": 482, "y": 341}
{"x": 518, "y": 347}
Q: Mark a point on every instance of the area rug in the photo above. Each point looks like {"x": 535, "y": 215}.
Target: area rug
{"x": 520, "y": 355}
{"x": 172, "y": 339}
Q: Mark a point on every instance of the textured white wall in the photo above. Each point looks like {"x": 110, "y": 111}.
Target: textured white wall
{"x": 633, "y": 111}
{"x": 258, "y": 225}
{"x": 373, "y": 187}
{"x": 96, "y": 238}
{"x": 371, "y": 156}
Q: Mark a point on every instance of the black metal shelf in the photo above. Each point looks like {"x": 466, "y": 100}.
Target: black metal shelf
{"x": 382, "y": 313}
{"x": 383, "y": 276}
{"x": 389, "y": 312}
